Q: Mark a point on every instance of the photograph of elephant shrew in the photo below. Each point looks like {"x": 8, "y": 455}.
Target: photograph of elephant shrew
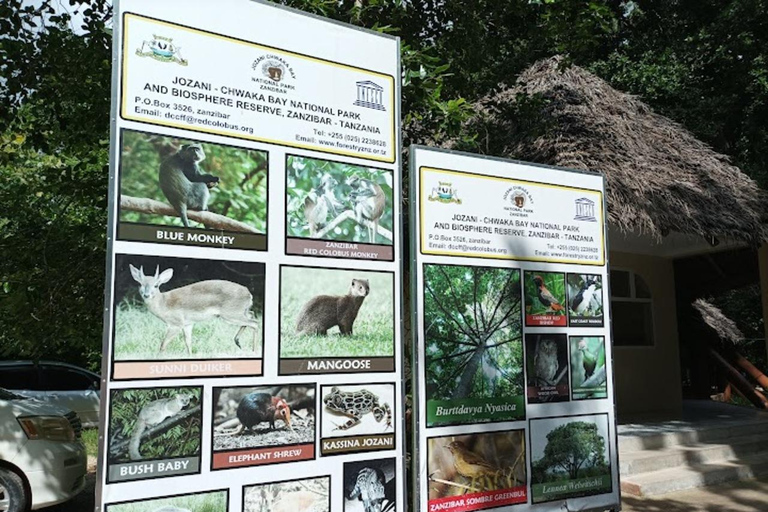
{"x": 339, "y": 202}
{"x": 255, "y": 417}
{"x": 200, "y": 502}
{"x": 174, "y": 182}
{"x": 178, "y": 308}
{"x": 154, "y": 424}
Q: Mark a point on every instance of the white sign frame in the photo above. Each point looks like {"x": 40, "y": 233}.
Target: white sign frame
{"x": 281, "y": 31}
{"x": 457, "y": 184}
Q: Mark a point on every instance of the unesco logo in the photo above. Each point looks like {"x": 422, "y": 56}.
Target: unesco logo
{"x": 370, "y": 95}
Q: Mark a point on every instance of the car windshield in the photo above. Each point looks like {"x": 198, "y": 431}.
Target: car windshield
{"x": 7, "y": 395}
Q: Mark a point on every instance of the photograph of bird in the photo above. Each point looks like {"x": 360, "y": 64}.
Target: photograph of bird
{"x": 582, "y": 301}
{"x": 368, "y": 202}
{"x": 588, "y": 359}
{"x": 547, "y": 299}
{"x": 320, "y": 202}
{"x": 545, "y": 361}
{"x": 469, "y": 464}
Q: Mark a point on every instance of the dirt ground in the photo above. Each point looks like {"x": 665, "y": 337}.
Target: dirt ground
{"x": 303, "y": 432}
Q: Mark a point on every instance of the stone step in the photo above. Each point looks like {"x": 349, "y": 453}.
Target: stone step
{"x": 696, "y": 475}
{"x": 633, "y": 463}
{"x": 649, "y": 437}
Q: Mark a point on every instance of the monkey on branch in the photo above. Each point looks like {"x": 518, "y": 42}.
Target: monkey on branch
{"x": 368, "y": 201}
{"x": 184, "y": 184}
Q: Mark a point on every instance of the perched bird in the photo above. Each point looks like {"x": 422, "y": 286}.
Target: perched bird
{"x": 545, "y": 296}
{"x": 580, "y": 303}
{"x": 256, "y": 408}
{"x": 368, "y": 201}
{"x": 319, "y": 203}
{"x": 545, "y": 361}
{"x": 469, "y": 464}
{"x": 588, "y": 359}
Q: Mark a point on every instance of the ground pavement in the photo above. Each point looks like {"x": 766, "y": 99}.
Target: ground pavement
{"x": 744, "y": 496}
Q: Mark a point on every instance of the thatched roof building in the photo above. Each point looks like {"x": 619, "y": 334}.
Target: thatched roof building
{"x": 660, "y": 178}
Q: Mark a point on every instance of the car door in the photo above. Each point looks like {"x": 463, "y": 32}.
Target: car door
{"x": 71, "y": 388}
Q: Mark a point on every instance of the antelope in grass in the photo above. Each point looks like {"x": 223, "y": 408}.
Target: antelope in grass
{"x": 183, "y": 307}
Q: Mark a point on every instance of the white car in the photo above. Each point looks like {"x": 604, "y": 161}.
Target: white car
{"x": 42, "y": 459}
{"x": 57, "y": 383}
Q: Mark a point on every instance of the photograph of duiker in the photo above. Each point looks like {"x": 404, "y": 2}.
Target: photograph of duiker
{"x": 185, "y": 308}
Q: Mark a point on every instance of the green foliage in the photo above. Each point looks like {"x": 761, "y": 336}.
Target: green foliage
{"x": 372, "y": 331}
{"x": 204, "y": 502}
{"x": 305, "y": 174}
{"x": 554, "y": 282}
{"x": 139, "y": 333}
{"x": 241, "y": 194}
{"x": 182, "y": 440}
{"x": 572, "y": 450}
{"x": 473, "y": 332}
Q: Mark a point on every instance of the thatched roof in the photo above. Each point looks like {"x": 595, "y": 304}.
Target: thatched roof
{"x": 713, "y": 317}
{"x": 660, "y": 178}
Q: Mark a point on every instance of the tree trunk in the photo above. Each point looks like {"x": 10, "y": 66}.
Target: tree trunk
{"x": 465, "y": 383}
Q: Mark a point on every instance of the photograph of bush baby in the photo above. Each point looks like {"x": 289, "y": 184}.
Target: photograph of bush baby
{"x": 178, "y": 308}
{"x": 154, "y": 424}
{"x": 309, "y": 494}
{"x": 181, "y": 183}
{"x": 255, "y": 417}
{"x": 200, "y": 502}
{"x": 336, "y": 313}
{"x": 336, "y": 201}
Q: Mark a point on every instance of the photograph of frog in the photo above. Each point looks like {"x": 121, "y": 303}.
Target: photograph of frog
{"x": 547, "y": 364}
{"x": 357, "y": 418}
{"x": 370, "y": 485}
{"x": 183, "y": 309}
{"x": 570, "y": 457}
{"x": 309, "y": 494}
{"x": 248, "y": 417}
{"x": 202, "y": 193}
{"x": 213, "y": 501}
{"x": 473, "y": 345}
{"x": 336, "y": 201}
{"x": 585, "y": 300}
{"x": 489, "y": 465}
{"x": 154, "y": 432}
{"x": 545, "y": 303}
{"x": 588, "y": 372}
{"x": 334, "y": 313}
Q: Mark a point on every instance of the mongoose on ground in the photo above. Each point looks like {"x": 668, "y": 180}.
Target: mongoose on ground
{"x": 152, "y": 414}
{"x": 326, "y": 311}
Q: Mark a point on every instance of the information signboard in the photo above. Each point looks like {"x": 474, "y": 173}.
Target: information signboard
{"x": 514, "y": 400}
{"x": 252, "y": 350}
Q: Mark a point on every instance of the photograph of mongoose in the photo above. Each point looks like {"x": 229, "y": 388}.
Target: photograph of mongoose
{"x": 307, "y": 495}
{"x": 154, "y": 424}
{"x": 476, "y": 463}
{"x": 256, "y": 417}
{"x": 215, "y": 501}
{"x": 588, "y": 376}
{"x": 178, "y": 308}
{"x": 570, "y": 457}
{"x": 336, "y": 313}
{"x": 585, "y": 299}
{"x": 370, "y": 486}
{"x": 354, "y": 410}
{"x": 547, "y": 363}
{"x": 336, "y": 201}
{"x": 172, "y": 181}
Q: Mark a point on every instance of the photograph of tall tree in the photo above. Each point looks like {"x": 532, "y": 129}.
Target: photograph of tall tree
{"x": 473, "y": 344}
{"x": 570, "y": 457}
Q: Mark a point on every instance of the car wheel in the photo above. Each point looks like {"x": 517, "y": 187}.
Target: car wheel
{"x": 13, "y": 496}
